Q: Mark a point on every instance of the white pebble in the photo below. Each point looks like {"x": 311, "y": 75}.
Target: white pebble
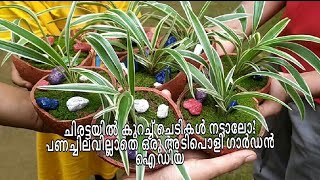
{"x": 166, "y": 92}
{"x": 156, "y": 84}
{"x": 124, "y": 68}
{"x": 76, "y": 103}
{"x": 83, "y": 78}
{"x": 198, "y": 49}
{"x": 141, "y": 105}
{"x": 162, "y": 111}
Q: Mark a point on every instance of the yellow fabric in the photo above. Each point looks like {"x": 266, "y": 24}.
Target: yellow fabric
{"x": 38, "y": 6}
{"x": 59, "y": 165}
{"x": 63, "y": 166}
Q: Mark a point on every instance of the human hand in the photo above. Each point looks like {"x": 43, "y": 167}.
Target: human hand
{"x": 221, "y": 44}
{"x": 199, "y": 166}
{"x": 17, "y": 79}
{"x": 270, "y": 108}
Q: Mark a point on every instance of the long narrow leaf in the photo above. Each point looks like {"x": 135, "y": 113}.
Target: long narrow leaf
{"x": 257, "y": 14}
{"x": 124, "y": 106}
{"x": 254, "y": 113}
{"x": 81, "y": 87}
{"x": 131, "y": 66}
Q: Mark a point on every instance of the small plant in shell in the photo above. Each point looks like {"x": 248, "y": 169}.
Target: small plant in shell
{"x": 248, "y": 62}
{"x": 220, "y": 87}
{"x": 116, "y": 104}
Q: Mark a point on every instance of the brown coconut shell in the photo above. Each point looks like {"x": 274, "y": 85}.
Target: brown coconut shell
{"x": 58, "y": 126}
{"x": 199, "y": 138}
{"x": 178, "y": 83}
{"x": 132, "y": 167}
{"x": 33, "y": 74}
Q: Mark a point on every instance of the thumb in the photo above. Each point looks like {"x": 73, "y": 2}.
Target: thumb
{"x": 16, "y": 79}
{"x": 210, "y": 168}
{"x": 268, "y": 108}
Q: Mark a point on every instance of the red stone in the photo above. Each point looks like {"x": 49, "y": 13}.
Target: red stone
{"x": 112, "y": 138}
{"x": 51, "y": 40}
{"x": 83, "y": 47}
{"x": 43, "y": 83}
{"x": 193, "y": 106}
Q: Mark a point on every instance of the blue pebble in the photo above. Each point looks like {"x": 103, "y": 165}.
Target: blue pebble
{"x": 132, "y": 154}
{"x": 170, "y": 41}
{"x": 56, "y": 76}
{"x": 47, "y": 103}
{"x": 232, "y": 104}
{"x": 257, "y": 77}
{"x": 164, "y": 75}
{"x": 98, "y": 61}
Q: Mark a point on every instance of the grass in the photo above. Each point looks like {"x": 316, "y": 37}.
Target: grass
{"x": 62, "y": 112}
{"x": 211, "y": 114}
{"x": 144, "y": 79}
{"x": 151, "y": 114}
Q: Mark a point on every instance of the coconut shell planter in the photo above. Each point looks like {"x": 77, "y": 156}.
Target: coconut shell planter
{"x": 58, "y": 108}
{"x": 203, "y": 107}
{"x": 151, "y": 104}
{"x": 33, "y": 71}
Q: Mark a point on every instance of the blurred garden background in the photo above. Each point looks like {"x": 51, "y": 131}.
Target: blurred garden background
{"x": 18, "y": 147}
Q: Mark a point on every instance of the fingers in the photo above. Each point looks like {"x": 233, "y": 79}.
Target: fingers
{"x": 210, "y": 168}
{"x": 16, "y": 78}
{"x": 269, "y": 108}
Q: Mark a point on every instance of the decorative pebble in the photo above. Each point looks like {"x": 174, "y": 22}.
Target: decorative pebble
{"x": 80, "y": 46}
{"x": 201, "y": 96}
{"x": 83, "y": 78}
{"x": 98, "y": 61}
{"x": 232, "y": 104}
{"x": 166, "y": 92}
{"x": 193, "y": 106}
{"x": 257, "y": 77}
{"x": 132, "y": 154}
{"x": 156, "y": 84}
{"x": 43, "y": 83}
{"x": 56, "y": 76}
{"x": 111, "y": 138}
{"x": 141, "y": 105}
{"x": 162, "y": 111}
{"x": 170, "y": 41}
{"x": 198, "y": 49}
{"x": 50, "y": 40}
{"x": 47, "y": 103}
{"x": 76, "y": 103}
{"x": 164, "y": 75}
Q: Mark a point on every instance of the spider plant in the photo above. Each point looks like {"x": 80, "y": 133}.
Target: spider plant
{"x": 247, "y": 57}
{"x": 182, "y": 27}
{"x": 42, "y": 46}
{"x": 221, "y": 87}
{"x": 120, "y": 104}
{"x": 61, "y": 46}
